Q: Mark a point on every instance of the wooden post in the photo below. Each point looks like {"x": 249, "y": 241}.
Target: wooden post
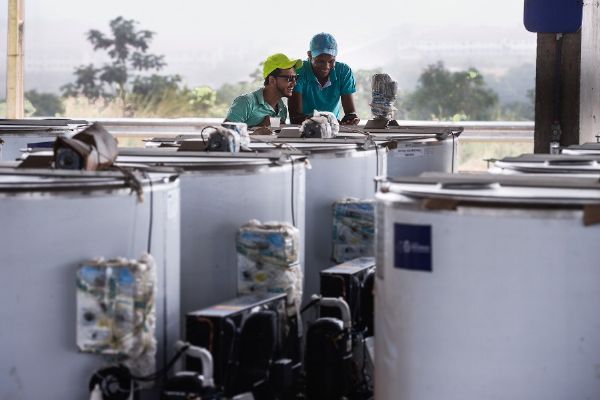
{"x": 15, "y": 66}
{"x": 579, "y": 111}
{"x": 589, "y": 125}
{"x": 545, "y": 90}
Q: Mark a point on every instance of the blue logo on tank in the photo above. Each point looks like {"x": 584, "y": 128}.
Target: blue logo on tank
{"x": 412, "y": 247}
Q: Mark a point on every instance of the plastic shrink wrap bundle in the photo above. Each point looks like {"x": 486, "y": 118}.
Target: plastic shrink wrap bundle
{"x": 268, "y": 261}
{"x": 333, "y": 122}
{"x": 242, "y": 130}
{"x": 384, "y": 91}
{"x": 353, "y": 229}
{"x": 219, "y": 138}
{"x": 116, "y": 312}
{"x": 316, "y": 126}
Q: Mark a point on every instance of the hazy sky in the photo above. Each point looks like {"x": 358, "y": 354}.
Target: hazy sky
{"x": 211, "y": 42}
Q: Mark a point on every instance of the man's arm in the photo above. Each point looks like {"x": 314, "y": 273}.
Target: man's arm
{"x": 350, "y": 117}
{"x": 295, "y": 108}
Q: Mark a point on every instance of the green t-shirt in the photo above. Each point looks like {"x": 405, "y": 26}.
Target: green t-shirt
{"x": 251, "y": 109}
{"x": 324, "y": 98}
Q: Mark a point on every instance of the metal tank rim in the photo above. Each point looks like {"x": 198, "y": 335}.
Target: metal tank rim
{"x": 499, "y": 189}
{"x": 49, "y": 182}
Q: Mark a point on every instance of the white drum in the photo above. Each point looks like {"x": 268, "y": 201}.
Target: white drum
{"x": 488, "y": 288}
{"x": 338, "y": 170}
{"x": 220, "y": 192}
{"x": 51, "y": 222}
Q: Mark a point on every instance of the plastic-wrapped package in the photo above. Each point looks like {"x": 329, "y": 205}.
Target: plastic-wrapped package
{"x": 116, "y": 312}
{"x": 218, "y": 138}
{"x": 353, "y": 229}
{"x": 335, "y": 124}
{"x": 268, "y": 260}
{"x": 384, "y": 91}
{"x": 242, "y": 129}
{"x": 316, "y": 126}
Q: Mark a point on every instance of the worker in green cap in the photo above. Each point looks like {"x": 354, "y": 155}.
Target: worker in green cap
{"x": 257, "y": 107}
{"x": 324, "y": 84}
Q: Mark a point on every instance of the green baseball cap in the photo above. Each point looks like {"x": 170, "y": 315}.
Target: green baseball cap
{"x": 281, "y": 61}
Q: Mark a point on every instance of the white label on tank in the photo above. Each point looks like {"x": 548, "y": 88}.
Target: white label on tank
{"x": 172, "y": 205}
{"x": 409, "y": 152}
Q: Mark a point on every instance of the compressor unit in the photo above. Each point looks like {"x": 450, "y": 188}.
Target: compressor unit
{"x": 254, "y": 344}
{"x": 353, "y": 282}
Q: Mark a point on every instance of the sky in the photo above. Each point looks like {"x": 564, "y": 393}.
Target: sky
{"x": 212, "y": 42}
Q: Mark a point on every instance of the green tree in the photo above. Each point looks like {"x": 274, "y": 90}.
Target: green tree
{"x": 202, "y": 99}
{"x": 444, "y": 95}
{"x": 127, "y": 49}
{"x": 45, "y": 104}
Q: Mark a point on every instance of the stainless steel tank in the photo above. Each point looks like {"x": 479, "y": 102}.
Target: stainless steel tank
{"x": 487, "y": 288}
{"x": 51, "y": 222}
{"x": 339, "y": 169}
{"x": 219, "y": 193}
{"x": 16, "y": 135}
{"x": 415, "y": 149}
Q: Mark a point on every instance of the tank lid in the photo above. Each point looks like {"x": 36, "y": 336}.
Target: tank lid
{"x": 585, "y": 148}
{"x": 23, "y": 126}
{"x": 549, "y": 163}
{"x": 318, "y": 145}
{"x": 490, "y": 188}
{"x": 170, "y": 157}
{"x": 406, "y": 132}
{"x": 32, "y": 180}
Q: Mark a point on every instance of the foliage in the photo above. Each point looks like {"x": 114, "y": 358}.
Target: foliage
{"x": 148, "y": 85}
{"x": 445, "y": 95}
{"x": 477, "y": 156}
{"x": 45, "y": 104}
{"x": 126, "y": 47}
{"x": 29, "y": 109}
{"x": 202, "y": 99}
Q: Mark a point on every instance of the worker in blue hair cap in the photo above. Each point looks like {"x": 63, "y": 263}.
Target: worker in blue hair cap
{"x": 323, "y": 84}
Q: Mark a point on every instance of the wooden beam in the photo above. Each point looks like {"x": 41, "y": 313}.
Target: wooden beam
{"x": 545, "y": 90}
{"x": 589, "y": 113}
{"x": 15, "y": 66}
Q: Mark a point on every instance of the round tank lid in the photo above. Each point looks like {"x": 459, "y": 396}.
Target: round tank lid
{"x": 583, "y": 149}
{"x": 486, "y": 188}
{"x": 550, "y": 164}
{"x": 170, "y": 157}
{"x": 31, "y": 180}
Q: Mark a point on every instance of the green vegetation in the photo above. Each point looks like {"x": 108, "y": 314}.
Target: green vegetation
{"x": 122, "y": 78}
{"x": 442, "y": 95}
{"x": 45, "y": 104}
{"x": 478, "y": 156}
{"x": 130, "y": 85}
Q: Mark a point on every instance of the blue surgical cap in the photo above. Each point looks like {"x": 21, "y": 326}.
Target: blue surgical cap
{"x": 323, "y": 43}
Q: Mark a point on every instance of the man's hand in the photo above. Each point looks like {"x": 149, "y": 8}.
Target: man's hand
{"x": 350, "y": 119}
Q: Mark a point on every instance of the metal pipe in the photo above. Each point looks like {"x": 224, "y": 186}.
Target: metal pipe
{"x": 204, "y": 356}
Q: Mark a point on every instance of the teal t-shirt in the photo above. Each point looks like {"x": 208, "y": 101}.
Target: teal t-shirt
{"x": 251, "y": 109}
{"x": 324, "y": 98}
